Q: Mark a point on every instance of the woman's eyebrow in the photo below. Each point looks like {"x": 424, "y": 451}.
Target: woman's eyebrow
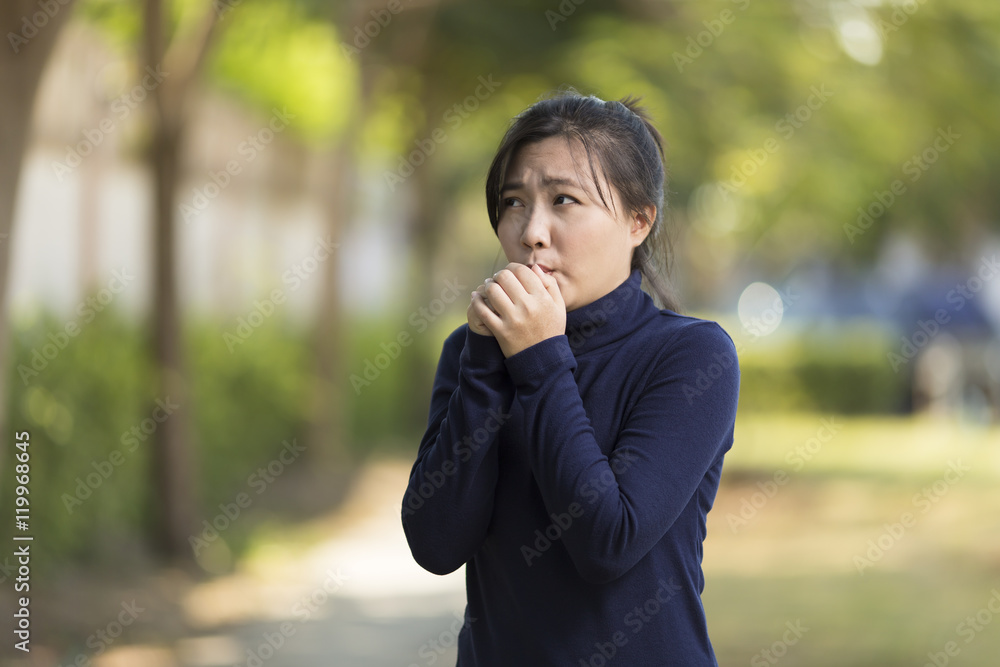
{"x": 546, "y": 181}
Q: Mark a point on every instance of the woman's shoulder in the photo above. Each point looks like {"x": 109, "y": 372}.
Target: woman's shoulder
{"x": 676, "y": 333}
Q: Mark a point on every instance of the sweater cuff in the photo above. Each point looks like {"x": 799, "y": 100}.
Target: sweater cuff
{"x": 482, "y": 352}
{"x": 533, "y": 364}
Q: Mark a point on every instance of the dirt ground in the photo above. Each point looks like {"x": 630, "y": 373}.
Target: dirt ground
{"x": 341, "y": 589}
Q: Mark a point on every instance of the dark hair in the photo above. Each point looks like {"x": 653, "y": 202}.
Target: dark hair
{"x": 628, "y": 151}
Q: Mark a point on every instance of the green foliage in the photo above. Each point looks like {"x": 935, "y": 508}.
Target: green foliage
{"x": 823, "y": 372}
{"x": 846, "y": 481}
{"x": 268, "y": 53}
{"x": 392, "y": 408}
{"x": 120, "y": 22}
{"x": 91, "y": 408}
{"x": 77, "y": 410}
{"x": 745, "y": 77}
{"x": 245, "y": 403}
{"x": 272, "y": 55}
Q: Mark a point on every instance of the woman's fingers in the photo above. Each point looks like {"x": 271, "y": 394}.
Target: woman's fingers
{"x": 550, "y": 285}
{"x": 518, "y": 280}
{"x": 495, "y": 291}
{"x": 482, "y": 319}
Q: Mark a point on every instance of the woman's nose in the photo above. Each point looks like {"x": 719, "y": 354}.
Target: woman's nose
{"x": 536, "y": 230}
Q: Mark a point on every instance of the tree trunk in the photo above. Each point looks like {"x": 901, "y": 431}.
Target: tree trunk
{"x": 327, "y": 441}
{"x": 174, "y": 473}
{"x": 329, "y": 429}
{"x": 22, "y": 62}
{"x": 425, "y": 230}
{"x": 425, "y": 285}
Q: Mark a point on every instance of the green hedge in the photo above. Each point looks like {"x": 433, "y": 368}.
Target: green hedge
{"x": 76, "y": 409}
{"x": 393, "y": 407}
{"x": 843, "y": 371}
{"x": 81, "y": 407}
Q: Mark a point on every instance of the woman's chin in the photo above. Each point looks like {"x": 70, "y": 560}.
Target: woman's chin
{"x": 566, "y": 293}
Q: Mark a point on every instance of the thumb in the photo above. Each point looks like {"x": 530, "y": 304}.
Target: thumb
{"x": 551, "y": 286}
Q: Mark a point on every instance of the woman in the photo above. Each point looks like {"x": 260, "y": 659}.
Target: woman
{"x": 576, "y": 430}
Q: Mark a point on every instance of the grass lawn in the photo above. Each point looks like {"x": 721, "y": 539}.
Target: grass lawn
{"x": 877, "y": 538}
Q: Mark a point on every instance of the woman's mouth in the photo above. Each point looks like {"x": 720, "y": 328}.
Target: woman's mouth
{"x": 544, "y": 268}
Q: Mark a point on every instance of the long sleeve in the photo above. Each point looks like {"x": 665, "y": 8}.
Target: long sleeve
{"x": 449, "y": 498}
{"x": 678, "y": 428}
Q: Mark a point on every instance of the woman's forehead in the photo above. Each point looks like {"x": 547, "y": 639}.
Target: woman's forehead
{"x": 553, "y": 161}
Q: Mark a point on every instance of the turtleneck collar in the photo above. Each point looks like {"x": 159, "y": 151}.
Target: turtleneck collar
{"x": 609, "y": 318}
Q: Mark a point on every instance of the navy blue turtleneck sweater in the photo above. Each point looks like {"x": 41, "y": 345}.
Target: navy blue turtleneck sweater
{"x": 573, "y": 480}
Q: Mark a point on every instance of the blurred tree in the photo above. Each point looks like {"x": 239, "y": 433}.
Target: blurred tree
{"x": 448, "y": 61}
{"x": 172, "y": 464}
{"x": 271, "y": 54}
{"x": 288, "y": 54}
{"x": 31, "y": 29}
{"x": 784, "y": 121}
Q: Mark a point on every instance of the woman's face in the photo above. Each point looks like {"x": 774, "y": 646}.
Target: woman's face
{"x": 551, "y": 215}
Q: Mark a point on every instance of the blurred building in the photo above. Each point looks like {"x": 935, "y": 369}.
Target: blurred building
{"x": 85, "y": 195}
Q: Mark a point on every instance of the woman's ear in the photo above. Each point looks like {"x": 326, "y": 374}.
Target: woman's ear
{"x": 642, "y": 225}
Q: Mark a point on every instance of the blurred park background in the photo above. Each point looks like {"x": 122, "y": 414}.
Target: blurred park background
{"x": 235, "y": 233}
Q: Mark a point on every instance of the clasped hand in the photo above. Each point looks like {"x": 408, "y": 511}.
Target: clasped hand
{"x": 520, "y": 306}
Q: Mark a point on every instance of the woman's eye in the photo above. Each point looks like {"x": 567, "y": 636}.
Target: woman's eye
{"x": 565, "y": 199}
{"x": 510, "y": 202}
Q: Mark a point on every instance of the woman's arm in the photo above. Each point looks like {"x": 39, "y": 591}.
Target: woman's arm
{"x": 623, "y": 505}
{"x": 449, "y": 499}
